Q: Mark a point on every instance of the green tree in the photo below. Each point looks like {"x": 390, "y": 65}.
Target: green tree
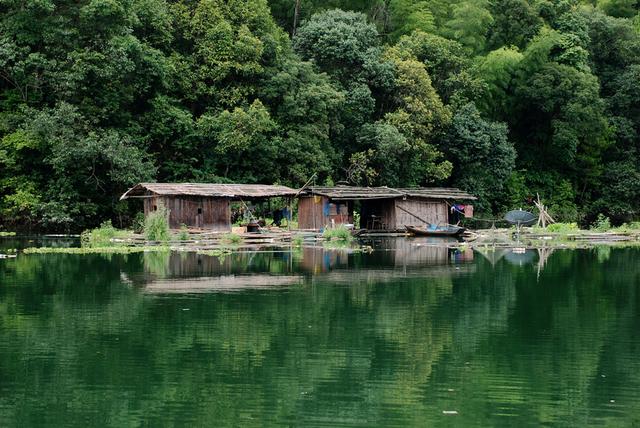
{"x": 482, "y": 156}
{"x": 408, "y": 16}
{"x": 469, "y": 24}
{"x": 340, "y": 43}
{"x": 306, "y": 105}
{"x": 240, "y": 143}
{"x": 620, "y": 8}
{"x": 499, "y": 70}
{"x": 447, "y": 64}
{"x": 515, "y": 22}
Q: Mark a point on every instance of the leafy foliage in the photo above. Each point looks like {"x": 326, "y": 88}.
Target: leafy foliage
{"x": 339, "y": 234}
{"x": 100, "y": 237}
{"x": 97, "y": 95}
{"x": 482, "y": 153}
{"x": 563, "y": 228}
{"x": 601, "y": 224}
{"x": 156, "y": 225}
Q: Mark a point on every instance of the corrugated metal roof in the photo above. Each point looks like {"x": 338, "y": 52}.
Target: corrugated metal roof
{"x": 231, "y": 191}
{"x": 353, "y": 193}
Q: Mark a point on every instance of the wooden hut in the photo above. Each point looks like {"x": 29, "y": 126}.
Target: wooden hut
{"x": 201, "y": 205}
{"x": 381, "y": 208}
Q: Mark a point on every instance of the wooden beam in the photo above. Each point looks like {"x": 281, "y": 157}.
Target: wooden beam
{"x": 412, "y": 214}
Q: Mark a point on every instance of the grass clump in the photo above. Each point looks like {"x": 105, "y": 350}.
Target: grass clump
{"x": 156, "y": 225}
{"x": 232, "y": 239}
{"x": 563, "y": 228}
{"x": 7, "y": 233}
{"x": 297, "y": 241}
{"x": 102, "y": 236}
{"x": 340, "y": 234}
{"x": 138, "y": 223}
{"x": 601, "y": 224}
{"x": 628, "y": 227}
{"x": 183, "y": 235}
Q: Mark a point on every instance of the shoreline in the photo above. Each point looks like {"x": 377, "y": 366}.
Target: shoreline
{"x": 223, "y": 244}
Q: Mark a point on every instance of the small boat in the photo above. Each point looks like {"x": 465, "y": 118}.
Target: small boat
{"x": 433, "y": 230}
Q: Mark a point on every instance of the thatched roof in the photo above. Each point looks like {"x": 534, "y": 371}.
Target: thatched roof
{"x": 438, "y": 193}
{"x": 355, "y": 193}
{"x": 258, "y": 191}
{"x": 351, "y": 192}
{"x": 230, "y": 191}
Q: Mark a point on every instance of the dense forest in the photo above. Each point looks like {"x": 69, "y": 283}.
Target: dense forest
{"x": 502, "y": 98}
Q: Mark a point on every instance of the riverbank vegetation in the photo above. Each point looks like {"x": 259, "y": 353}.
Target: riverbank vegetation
{"x": 156, "y": 226}
{"x": 104, "y": 236}
{"x": 95, "y": 250}
{"x": 504, "y": 99}
{"x": 337, "y": 234}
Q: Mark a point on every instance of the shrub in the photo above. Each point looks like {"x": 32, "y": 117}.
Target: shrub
{"x": 628, "y": 227}
{"x": 138, "y": 223}
{"x": 156, "y": 225}
{"x": 356, "y": 220}
{"x": 297, "y": 241}
{"x": 99, "y": 237}
{"x": 339, "y": 233}
{"x": 184, "y": 233}
{"x": 232, "y": 238}
{"x": 563, "y": 227}
{"x": 602, "y": 223}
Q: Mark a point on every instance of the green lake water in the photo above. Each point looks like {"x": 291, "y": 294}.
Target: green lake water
{"x": 410, "y": 335}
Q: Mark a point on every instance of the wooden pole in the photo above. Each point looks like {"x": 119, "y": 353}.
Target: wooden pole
{"x": 306, "y": 184}
{"x": 412, "y": 214}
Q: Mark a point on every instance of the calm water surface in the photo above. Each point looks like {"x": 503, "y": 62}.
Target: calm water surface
{"x": 407, "y": 336}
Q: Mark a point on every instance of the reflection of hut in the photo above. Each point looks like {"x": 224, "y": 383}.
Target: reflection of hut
{"x": 411, "y": 252}
{"x": 319, "y": 259}
{"x": 201, "y": 205}
{"x": 381, "y": 208}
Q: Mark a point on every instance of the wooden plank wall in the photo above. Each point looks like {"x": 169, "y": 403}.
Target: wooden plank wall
{"x": 310, "y": 212}
{"x": 432, "y": 211}
{"x": 384, "y": 209}
{"x": 312, "y": 215}
{"x": 196, "y": 212}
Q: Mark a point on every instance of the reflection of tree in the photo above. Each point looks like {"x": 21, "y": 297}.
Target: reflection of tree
{"x": 76, "y": 344}
{"x": 544, "y": 362}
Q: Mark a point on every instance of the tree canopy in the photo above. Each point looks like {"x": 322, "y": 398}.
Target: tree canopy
{"x": 504, "y": 98}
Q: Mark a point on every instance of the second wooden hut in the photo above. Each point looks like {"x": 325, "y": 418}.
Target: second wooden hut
{"x": 381, "y": 208}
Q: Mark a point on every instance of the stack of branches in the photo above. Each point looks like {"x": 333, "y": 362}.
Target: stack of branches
{"x": 543, "y": 218}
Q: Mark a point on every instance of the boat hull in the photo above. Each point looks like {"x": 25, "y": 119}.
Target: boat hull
{"x": 449, "y": 231}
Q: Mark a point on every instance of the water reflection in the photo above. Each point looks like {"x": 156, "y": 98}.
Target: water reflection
{"x": 394, "y": 258}
{"x": 362, "y": 340}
